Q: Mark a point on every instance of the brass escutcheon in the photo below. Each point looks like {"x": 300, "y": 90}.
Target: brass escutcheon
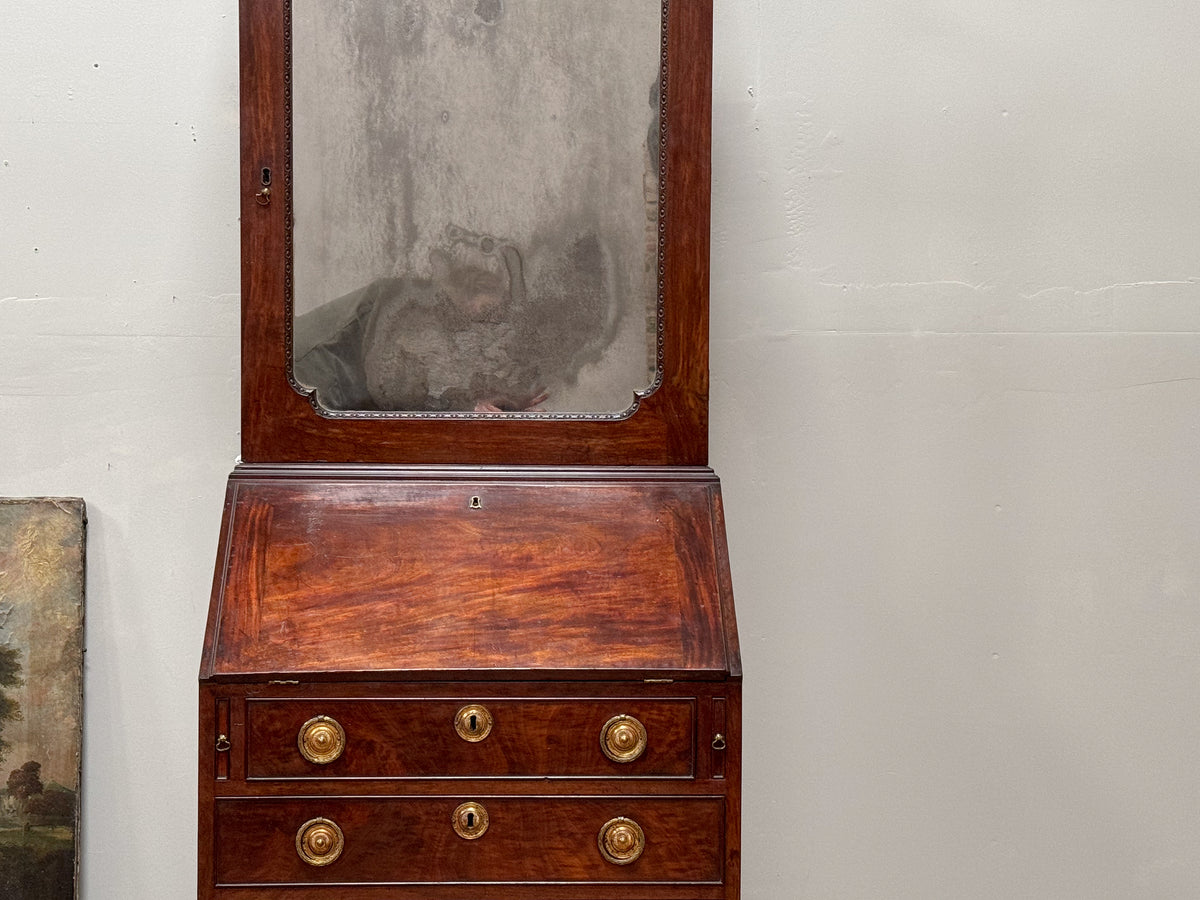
{"x": 321, "y": 740}
{"x": 622, "y": 841}
{"x": 470, "y": 821}
{"x": 623, "y": 739}
{"x": 319, "y": 842}
{"x": 473, "y": 723}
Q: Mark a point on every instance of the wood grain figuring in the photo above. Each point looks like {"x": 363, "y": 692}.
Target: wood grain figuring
{"x": 410, "y": 840}
{"x": 670, "y": 426}
{"x": 355, "y": 580}
{"x": 344, "y": 577}
{"x": 245, "y": 830}
{"x": 416, "y": 739}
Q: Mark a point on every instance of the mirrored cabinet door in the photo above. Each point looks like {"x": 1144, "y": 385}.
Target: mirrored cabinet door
{"x": 475, "y": 231}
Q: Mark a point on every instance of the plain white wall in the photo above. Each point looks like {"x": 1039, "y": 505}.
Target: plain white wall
{"x": 956, "y": 387}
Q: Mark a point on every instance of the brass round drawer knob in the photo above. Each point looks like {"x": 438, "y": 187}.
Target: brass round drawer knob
{"x": 622, "y": 841}
{"x": 319, "y": 842}
{"x": 623, "y": 739}
{"x": 321, "y": 740}
{"x": 470, "y": 821}
{"x": 473, "y": 723}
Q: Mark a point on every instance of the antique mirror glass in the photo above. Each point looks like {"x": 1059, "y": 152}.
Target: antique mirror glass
{"x": 475, "y": 205}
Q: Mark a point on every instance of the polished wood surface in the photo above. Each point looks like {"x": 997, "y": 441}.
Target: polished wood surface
{"x": 553, "y": 572}
{"x": 387, "y": 571}
{"x": 416, "y": 738}
{"x": 671, "y": 425}
{"x": 244, "y": 839}
{"x": 236, "y": 768}
{"x": 410, "y": 839}
{"x": 388, "y": 598}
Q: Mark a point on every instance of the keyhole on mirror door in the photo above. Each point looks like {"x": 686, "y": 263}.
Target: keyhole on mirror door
{"x": 263, "y": 197}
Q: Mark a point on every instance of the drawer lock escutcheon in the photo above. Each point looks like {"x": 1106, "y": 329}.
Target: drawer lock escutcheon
{"x": 321, "y": 740}
{"x": 622, "y": 841}
{"x": 470, "y": 821}
{"x": 623, "y": 739}
{"x": 473, "y": 723}
{"x": 319, "y": 842}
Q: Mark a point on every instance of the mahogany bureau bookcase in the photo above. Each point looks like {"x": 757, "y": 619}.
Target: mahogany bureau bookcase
{"x": 472, "y": 634}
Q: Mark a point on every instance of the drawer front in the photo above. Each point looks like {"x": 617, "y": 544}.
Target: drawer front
{"x": 427, "y": 738}
{"x": 408, "y": 840}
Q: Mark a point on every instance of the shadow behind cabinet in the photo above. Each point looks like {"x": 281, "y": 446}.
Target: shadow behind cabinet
{"x": 472, "y": 653}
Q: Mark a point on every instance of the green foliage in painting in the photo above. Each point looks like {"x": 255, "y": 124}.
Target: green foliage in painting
{"x": 25, "y": 782}
{"x": 10, "y": 676}
{"x": 40, "y": 870}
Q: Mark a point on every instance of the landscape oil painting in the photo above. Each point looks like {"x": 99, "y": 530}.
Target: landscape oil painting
{"x": 42, "y": 557}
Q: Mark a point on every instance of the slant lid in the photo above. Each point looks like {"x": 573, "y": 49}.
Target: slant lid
{"x": 472, "y": 576}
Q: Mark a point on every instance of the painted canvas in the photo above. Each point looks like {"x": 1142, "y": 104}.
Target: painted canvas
{"x": 42, "y": 545}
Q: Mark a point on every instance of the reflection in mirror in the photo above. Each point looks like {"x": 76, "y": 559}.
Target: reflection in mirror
{"x": 475, "y": 197}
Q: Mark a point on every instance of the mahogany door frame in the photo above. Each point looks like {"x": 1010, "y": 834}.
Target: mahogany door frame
{"x": 667, "y": 427}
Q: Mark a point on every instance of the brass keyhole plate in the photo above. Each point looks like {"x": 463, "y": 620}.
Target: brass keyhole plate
{"x": 473, "y": 723}
{"x": 470, "y": 821}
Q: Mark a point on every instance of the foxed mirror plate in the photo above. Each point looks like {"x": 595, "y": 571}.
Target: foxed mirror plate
{"x": 476, "y": 199}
